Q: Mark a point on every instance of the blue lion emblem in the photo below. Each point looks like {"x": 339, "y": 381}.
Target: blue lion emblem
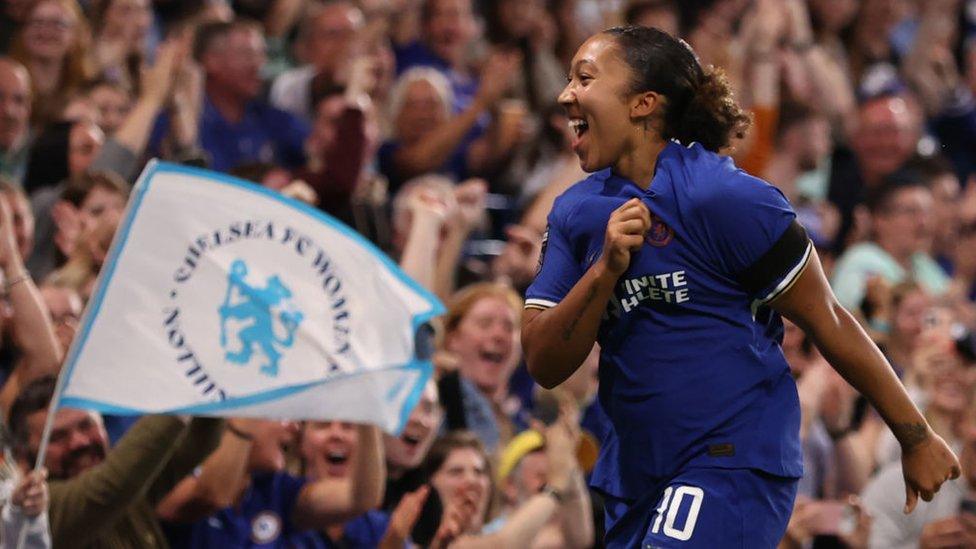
{"x": 254, "y": 305}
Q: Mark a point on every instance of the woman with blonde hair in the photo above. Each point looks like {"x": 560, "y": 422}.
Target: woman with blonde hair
{"x": 54, "y": 45}
{"x": 481, "y": 330}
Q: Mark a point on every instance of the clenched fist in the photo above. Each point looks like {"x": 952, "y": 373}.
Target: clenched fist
{"x": 625, "y": 235}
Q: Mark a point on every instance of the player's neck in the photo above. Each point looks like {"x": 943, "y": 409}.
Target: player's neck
{"x": 638, "y": 163}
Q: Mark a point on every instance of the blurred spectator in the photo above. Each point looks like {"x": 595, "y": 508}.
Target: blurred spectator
{"x": 448, "y": 31}
{"x": 113, "y": 102}
{"x": 23, "y": 218}
{"x": 328, "y": 40}
{"x": 65, "y": 306}
{"x": 15, "y": 109}
{"x": 903, "y": 320}
{"x": 82, "y": 203}
{"x": 901, "y": 227}
{"x": 525, "y": 26}
{"x": 932, "y": 70}
{"x": 25, "y": 501}
{"x": 799, "y": 168}
{"x": 885, "y": 136}
{"x": 948, "y": 520}
{"x": 407, "y": 452}
{"x": 427, "y": 137}
{"x": 54, "y": 46}
{"x": 121, "y": 30}
{"x": 661, "y": 14}
{"x": 803, "y": 146}
{"x": 12, "y": 16}
{"x": 248, "y": 497}
{"x": 29, "y": 349}
{"x": 481, "y": 327}
{"x": 103, "y": 496}
{"x": 331, "y": 449}
{"x": 342, "y": 140}
{"x": 533, "y": 464}
{"x": 235, "y": 125}
{"x": 64, "y": 149}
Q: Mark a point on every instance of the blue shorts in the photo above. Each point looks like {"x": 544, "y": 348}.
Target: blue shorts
{"x": 712, "y": 508}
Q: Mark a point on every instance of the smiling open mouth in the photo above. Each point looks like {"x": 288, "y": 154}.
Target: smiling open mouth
{"x": 488, "y": 356}
{"x": 579, "y": 126}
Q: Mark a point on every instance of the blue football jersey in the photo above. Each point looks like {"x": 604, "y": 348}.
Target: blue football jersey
{"x": 691, "y": 371}
{"x": 261, "y": 521}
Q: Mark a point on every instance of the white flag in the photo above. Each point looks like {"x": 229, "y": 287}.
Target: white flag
{"x": 223, "y": 298}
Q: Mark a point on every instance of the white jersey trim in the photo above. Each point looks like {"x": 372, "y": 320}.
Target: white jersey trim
{"x": 539, "y": 304}
{"x": 790, "y": 277}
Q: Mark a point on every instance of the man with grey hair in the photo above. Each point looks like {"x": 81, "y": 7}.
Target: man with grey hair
{"x": 15, "y": 109}
{"x": 328, "y": 41}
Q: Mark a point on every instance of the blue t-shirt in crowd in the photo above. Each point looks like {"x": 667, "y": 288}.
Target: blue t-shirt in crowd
{"x": 263, "y": 519}
{"x": 464, "y": 87}
{"x": 691, "y": 371}
{"x": 264, "y": 134}
{"x": 363, "y": 532}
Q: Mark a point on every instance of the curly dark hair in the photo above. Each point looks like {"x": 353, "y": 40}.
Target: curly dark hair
{"x": 700, "y": 104}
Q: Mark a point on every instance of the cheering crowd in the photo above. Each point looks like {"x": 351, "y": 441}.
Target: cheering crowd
{"x": 432, "y": 127}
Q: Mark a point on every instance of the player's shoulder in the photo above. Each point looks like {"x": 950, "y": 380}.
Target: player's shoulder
{"x": 714, "y": 185}
{"x": 568, "y": 203}
{"x": 716, "y": 178}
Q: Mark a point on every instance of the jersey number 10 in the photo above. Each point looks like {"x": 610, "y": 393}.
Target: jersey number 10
{"x": 671, "y": 505}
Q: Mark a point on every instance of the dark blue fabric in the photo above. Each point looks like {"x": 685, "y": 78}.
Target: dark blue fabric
{"x": 118, "y": 426}
{"x": 263, "y": 519}
{"x": 691, "y": 375}
{"x": 265, "y": 134}
{"x": 734, "y": 508}
{"x": 363, "y": 532}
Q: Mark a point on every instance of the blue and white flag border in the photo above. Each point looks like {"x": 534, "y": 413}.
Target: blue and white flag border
{"x": 93, "y": 308}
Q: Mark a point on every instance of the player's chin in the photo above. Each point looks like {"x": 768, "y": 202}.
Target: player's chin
{"x": 589, "y": 164}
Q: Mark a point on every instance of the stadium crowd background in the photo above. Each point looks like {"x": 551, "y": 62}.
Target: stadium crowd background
{"x": 435, "y": 121}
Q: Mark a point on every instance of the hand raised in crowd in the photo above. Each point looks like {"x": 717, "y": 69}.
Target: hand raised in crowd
{"x": 186, "y": 97}
{"x": 860, "y": 536}
{"x": 957, "y": 531}
{"x": 445, "y": 362}
{"x": 362, "y": 81}
{"x": 934, "y": 351}
{"x": 470, "y": 196}
{"x": 158, "y": 80}
{"x": 404, "y": 517}
{"x": 769, "y": 25}
{"x": 497, "y": 76}
{"x": 625, "y": 235}
{"x": 301, "y": 191}
{"x": 10, "y": 260}
{"x": 31, "y": 493}
{"x": 519, "y": 260}
{"x": 967, "y": 203}
{"x": 459, "y": 511}
{"x": 562, "y": 438}
{"x": 427, "y": 206}
{"x": 837, "y": 403}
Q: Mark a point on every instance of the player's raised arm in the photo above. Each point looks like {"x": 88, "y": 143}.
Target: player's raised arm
{"x": 927, "y": 461}
{"x": 557, "y": 339}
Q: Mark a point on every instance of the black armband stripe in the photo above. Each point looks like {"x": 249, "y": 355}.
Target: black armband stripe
{"x": 783, "y": 262}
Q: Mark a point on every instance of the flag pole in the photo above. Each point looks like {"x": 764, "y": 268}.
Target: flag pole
{"x": 70, "y": 357}
{"x": 52, "y": 409}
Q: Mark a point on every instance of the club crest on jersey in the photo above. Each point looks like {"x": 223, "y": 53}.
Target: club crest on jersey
{"x": 266, "y": 527}
{"x": 659, "y": 234}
